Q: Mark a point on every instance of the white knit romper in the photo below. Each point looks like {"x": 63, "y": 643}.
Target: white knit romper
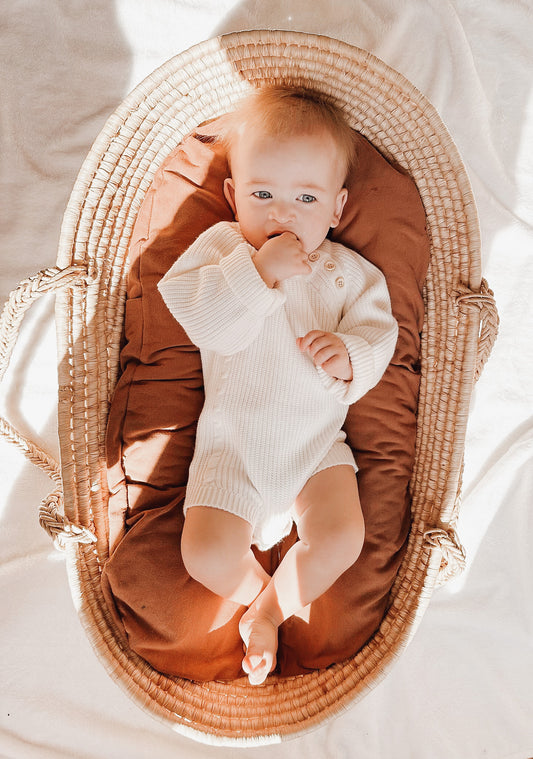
{"x": 271, "y": 419}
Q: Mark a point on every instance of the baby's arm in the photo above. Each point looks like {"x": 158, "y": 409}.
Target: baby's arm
{"x": 216, "y": 294}
{"x": 367, "y": 330}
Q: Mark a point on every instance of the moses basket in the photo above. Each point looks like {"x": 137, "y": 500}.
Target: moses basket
{"x": 90, "y": 280}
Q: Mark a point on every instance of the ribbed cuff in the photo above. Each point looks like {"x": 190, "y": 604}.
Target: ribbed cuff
{"x": 246, "y": 283}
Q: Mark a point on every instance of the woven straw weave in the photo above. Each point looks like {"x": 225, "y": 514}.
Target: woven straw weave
{"x": 460, "y": 327}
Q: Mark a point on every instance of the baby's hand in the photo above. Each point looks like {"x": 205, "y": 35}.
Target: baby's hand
{"x": 327, "y": 351}
{"x": 281, "y": 257}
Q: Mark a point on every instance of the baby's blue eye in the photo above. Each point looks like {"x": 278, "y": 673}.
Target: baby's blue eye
{"x": 307, "y": 198}
{"x": 262, "y": 194}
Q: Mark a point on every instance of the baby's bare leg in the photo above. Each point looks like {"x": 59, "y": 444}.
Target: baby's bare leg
{"x": 331, "y": 531}
{"x": 215, "y": 548}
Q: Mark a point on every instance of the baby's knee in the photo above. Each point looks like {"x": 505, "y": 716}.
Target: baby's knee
{"x": 353, "y": 539}
{"x": 199, "y": 554}
{"x": 212, "y": 543}
{"x": 345, "y": 543}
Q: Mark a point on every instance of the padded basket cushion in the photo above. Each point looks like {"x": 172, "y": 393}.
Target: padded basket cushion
{"x": 168, "y": 618}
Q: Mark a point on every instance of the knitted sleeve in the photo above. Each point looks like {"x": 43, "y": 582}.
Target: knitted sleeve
{"x": 216, "y": 293}
{"x": 367, "y": 328}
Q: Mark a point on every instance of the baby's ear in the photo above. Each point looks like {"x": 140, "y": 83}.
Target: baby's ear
{"x": 229, "y": 194}
{"x": 339, "y": 207}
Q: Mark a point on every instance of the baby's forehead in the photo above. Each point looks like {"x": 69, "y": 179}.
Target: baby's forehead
{"x": 301, "y": 159}
{"x": 257, "y": 144}
{"x": 281, "y": 134}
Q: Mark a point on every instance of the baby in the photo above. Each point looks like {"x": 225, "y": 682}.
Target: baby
{"x": 292, "y": 328}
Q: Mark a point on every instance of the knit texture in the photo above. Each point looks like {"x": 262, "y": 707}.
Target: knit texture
{"x": 271, "y": 419}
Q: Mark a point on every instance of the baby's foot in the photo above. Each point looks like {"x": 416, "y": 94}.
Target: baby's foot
{"x": 260, "y": 636}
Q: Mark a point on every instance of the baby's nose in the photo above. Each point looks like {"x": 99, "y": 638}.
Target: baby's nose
{"x": 281, "y": 212}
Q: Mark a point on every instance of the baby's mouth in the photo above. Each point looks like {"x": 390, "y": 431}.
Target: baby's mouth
{"x": 280, "y": 232}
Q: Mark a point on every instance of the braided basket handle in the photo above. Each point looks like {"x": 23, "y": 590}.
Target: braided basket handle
{"x": 20, "y": 299}
{"x": 453, "y": 557}
{"x": 484, "y": 301}
{"x": 443, "y": 537}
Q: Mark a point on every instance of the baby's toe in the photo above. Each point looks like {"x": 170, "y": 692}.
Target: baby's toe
{"x": 258, "y": 668}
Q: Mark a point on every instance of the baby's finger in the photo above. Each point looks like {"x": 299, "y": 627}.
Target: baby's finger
{"x": 302, "y": 262}
{"x": 288, "y": 236}
{"x": 322, "y": 356}
{"x": 319, "y": 344}
{"x": 307, "y": 340}
{"x": 301, "y": 258}
{"x": 338, "y": 368}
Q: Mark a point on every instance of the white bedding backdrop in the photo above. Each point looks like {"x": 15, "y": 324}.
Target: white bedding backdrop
{"x": 464, "y": 687}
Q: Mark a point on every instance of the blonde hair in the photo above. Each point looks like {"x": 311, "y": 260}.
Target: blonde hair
{"x": 284, "y": 111}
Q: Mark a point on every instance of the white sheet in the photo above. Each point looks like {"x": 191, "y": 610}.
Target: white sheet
{"x": 463, "y": 689}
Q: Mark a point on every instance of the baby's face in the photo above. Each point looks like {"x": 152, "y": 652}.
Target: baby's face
{"x": 290, "y": 185}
